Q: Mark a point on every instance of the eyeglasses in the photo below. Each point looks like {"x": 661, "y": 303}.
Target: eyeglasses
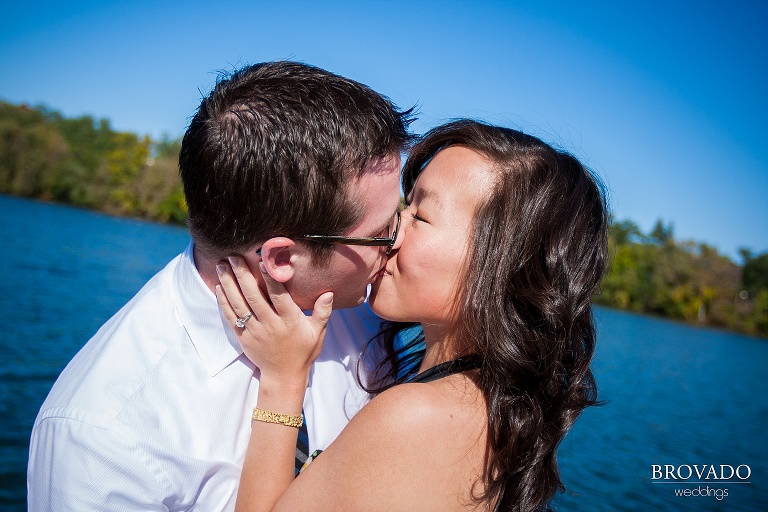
{"x": 388, "y": 242}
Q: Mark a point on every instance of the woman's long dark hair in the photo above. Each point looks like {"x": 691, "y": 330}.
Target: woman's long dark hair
{"x": 537, "y": 255}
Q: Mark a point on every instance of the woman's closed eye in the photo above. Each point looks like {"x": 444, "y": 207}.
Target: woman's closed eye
{"x": 417, "y": 217}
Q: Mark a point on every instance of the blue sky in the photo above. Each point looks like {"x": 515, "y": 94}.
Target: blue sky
{"x": 665, "y": 100}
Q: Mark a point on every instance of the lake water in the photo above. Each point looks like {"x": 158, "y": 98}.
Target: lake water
{"x": 676, "y": 395}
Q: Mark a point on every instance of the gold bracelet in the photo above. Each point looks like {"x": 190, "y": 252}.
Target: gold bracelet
{"x": 281, "y": 419}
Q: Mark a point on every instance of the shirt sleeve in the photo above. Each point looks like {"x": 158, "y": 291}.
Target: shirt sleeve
{"x": 77, "y": 466}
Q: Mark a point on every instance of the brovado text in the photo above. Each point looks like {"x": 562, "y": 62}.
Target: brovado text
{"x": 722, "y": 472}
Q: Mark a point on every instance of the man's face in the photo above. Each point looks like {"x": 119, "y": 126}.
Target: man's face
{"x": 352, "y": 268}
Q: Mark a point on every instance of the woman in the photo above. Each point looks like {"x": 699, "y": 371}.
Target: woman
{"x": 499, "y": 251}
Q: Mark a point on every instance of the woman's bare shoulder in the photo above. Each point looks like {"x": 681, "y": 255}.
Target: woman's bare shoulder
{"x": 403, "y": 405}
{"x": 392, "y": 455}
{"x": 426, "y": 420}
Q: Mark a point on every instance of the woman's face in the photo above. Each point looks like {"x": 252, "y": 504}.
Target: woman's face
{"x": 426, "y": 266}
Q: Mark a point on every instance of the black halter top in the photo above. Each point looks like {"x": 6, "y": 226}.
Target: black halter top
{"x": 458, "y": 365}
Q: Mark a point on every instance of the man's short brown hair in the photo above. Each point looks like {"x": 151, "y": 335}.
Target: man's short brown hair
{"x": 272, "y": 149}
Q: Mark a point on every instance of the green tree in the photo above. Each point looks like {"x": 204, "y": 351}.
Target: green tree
{"x": 661, "y": 233}
{"x": 167, "y": 148}
{"x": 755, "y": 276}
{"x": 119, "y": 170}
{"x": 625, "y": 232}
{"x": 32, "y": 153}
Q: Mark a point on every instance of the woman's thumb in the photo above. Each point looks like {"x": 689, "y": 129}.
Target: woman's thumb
{"x": 322, "y": 310}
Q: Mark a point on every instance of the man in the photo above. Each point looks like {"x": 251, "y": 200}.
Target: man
{"x": 154, "y": 412}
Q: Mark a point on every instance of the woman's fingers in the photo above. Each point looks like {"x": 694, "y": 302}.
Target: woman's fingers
{"x": 233, "y": 297}
{"x": 224, "y": 304}
{"x": 241, "y": 283}
{"x": 281, "y": 300}
{"x": 279, "y": 338}
{"x": 226, "y": 307}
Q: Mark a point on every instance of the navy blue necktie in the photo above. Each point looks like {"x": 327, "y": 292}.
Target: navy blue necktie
{"x": 302, "y": 445}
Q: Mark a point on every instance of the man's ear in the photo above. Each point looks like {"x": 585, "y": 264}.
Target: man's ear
{"x": 278, "y": 255}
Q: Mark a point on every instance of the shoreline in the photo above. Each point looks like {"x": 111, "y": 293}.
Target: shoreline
{"x": 172, "y": 223}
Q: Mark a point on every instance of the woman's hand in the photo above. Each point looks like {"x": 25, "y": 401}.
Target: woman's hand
{"x": 278, "y": 337}
{"x": 283, "y": 343}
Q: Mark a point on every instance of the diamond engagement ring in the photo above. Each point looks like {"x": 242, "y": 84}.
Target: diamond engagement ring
{"x": 240, "y": 322}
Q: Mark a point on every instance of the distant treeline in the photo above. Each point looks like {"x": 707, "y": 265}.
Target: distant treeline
{"x": 653, "y": 273}
{"x": 83, "y": 162}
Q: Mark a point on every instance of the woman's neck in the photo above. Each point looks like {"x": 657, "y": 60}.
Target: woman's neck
{"x": 441, "y": 345}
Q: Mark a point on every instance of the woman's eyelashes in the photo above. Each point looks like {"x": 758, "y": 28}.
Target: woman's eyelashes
{"x": 417, "y": 217}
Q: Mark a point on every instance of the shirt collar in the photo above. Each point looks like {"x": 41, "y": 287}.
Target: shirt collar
{"x": 201, "y": 317}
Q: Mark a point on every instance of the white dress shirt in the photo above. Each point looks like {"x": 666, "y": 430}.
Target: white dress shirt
{"x": 154, "y": 412}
